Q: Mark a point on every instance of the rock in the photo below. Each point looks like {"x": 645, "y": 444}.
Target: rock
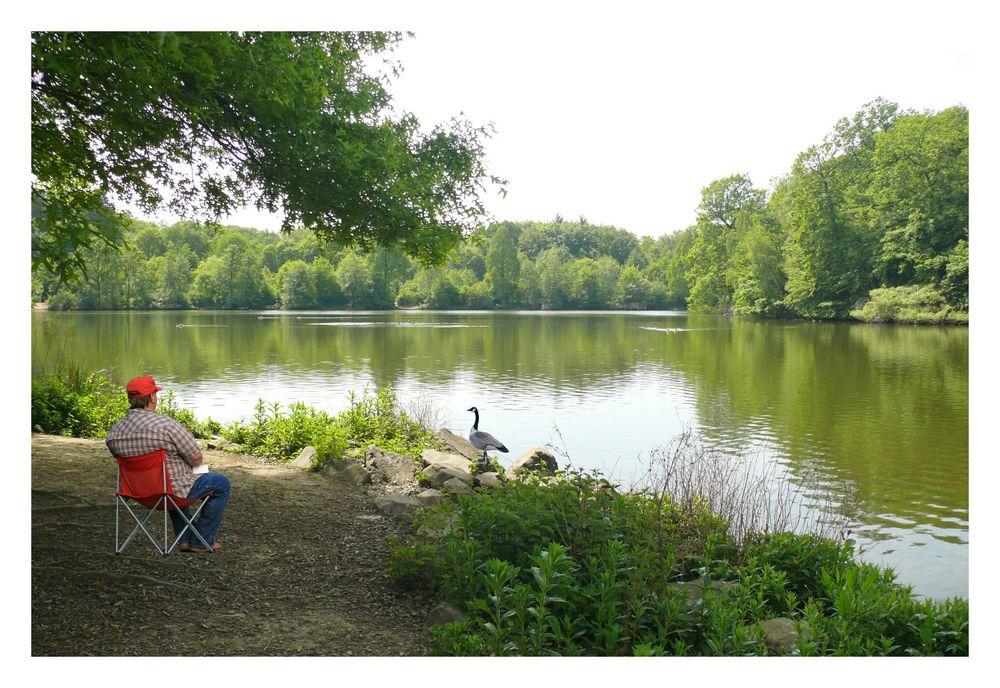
{"x": 491, "y": 480}
{"x": 396, "y": 505}
{"x": 216, "y": 442}
{"x": 538, "y": 460}
{"x": 439, "y": 475}
{"x": 446, "y": 612}
{"x": 780, "y": 635}
{"x": 371, "y": 452}
{"x": 388, "y": 467}
{"x": 304, "y": 459}
{"x": 455, "y": 486}
{"x": 459, "y": 445}
{"x": 348, "y": 471}
{"x": 442, "y": 460}
{"x": 430, "y": 496}
{"x": 696, "y": 589}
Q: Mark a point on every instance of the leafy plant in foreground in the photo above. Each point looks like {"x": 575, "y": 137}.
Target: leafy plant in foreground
{"x": 570, "y": 567}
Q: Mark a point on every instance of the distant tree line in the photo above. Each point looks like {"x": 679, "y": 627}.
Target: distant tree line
{"x": 870, "y": 223}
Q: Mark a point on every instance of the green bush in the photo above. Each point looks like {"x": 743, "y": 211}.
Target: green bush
{"x": 275, "y": 433}
{"x": 378, "y": 419}
{"x": 914, "y": 304}
{"x": 572, "y": 567}
{"x": 76, "y": 404}
{"x": 861, "y": 610}
{"x": 370, "y": 419}
{"x": 802, "y": 558}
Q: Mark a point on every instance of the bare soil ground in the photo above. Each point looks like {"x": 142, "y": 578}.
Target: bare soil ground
{"x": 301, "y": 572}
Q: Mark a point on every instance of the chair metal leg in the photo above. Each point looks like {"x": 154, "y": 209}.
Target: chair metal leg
{"x": 141, "y": 525}
{"x": 189, "y": 524}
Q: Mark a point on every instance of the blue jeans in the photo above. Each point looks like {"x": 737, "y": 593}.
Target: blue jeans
{"x": 211, "y": 514}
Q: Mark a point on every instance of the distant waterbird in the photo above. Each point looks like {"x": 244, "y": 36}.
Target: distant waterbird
{"x": 484, "y": 440}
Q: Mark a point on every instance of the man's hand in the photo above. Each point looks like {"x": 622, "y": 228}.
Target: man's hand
{"x": 195, "y": 460}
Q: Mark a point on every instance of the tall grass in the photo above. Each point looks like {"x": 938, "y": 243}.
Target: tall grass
{"x": 747, "y": 489}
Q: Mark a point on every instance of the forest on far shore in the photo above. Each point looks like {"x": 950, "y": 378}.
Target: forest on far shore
{"x": 871, "y": 223}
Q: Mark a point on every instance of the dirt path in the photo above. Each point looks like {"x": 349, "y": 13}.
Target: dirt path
{"x": 302, "y": 571}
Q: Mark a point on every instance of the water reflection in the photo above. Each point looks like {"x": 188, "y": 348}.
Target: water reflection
{"x": 871, "y": 417}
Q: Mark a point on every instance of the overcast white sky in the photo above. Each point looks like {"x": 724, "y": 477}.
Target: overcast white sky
{"x": 622, "y": 113}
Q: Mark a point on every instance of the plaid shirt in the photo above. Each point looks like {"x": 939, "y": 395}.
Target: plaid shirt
{"x": 142, "y": 432}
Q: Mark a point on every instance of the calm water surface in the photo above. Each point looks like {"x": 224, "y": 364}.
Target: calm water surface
{"x": 871, "y": 418}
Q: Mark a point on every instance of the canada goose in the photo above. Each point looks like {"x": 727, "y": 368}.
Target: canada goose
{"x": 483, "y": 440}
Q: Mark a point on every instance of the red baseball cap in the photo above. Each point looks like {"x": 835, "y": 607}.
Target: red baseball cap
{"x": 141, "y": 386}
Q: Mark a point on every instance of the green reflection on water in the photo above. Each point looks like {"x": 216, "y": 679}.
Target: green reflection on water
{"x": 878, "y": 411}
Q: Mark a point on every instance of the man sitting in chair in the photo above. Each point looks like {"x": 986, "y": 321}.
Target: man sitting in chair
{"x": 142, "y": 431}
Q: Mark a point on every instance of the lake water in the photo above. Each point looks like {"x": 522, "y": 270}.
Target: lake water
{"x": 872, "y": 419}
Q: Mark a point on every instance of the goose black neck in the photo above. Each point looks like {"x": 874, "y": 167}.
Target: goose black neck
{"x": 475, "y": 426}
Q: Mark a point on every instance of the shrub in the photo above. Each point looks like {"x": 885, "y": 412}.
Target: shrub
{"x": 567, "y": 567}
{"x": 861, "y": 610}
{"x": 570, "y": 567}
{"x": 912, "y": 304}
{"x": 378, "y": 419}
{"x": 275, "y": 433}
{"x": 801, "y": 558}
{"x": 370, "y": 419}
{"x": 76, "y": 404}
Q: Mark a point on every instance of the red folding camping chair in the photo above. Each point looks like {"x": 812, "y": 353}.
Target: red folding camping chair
{"x": 145, "y": 480}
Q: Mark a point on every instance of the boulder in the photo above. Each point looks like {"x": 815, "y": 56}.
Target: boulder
{"x": 396, "y": 505}
{"x": 694, "y": 590}
{"x": 305, "y": 458}
{"x": 537, "y": 460}
{"x": 430, "y": 496}
{"x": 456, "y": 444}
{"x": 491, "y": 480}
{"x": 387, "y": 467}
{"x": 445, "y": 612}
{"x": 443, "y": 460}
{"x": 780, "y": 635}
{"x": 346, "y": 470}
{"x": 439, "y": 475}
{"x": 368, "y": 456}
{"x": 454, "y": 486}
{"x": 216, "y": 442}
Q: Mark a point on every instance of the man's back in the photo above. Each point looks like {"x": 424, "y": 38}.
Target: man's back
{"x": 142, "y": 431}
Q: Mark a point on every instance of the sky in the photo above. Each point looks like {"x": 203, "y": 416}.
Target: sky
{"x": 622, "y": 114}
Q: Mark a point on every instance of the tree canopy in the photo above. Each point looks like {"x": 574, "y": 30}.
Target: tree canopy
{"x": 203, "y": 123}
{"x": 871, "y": 223}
